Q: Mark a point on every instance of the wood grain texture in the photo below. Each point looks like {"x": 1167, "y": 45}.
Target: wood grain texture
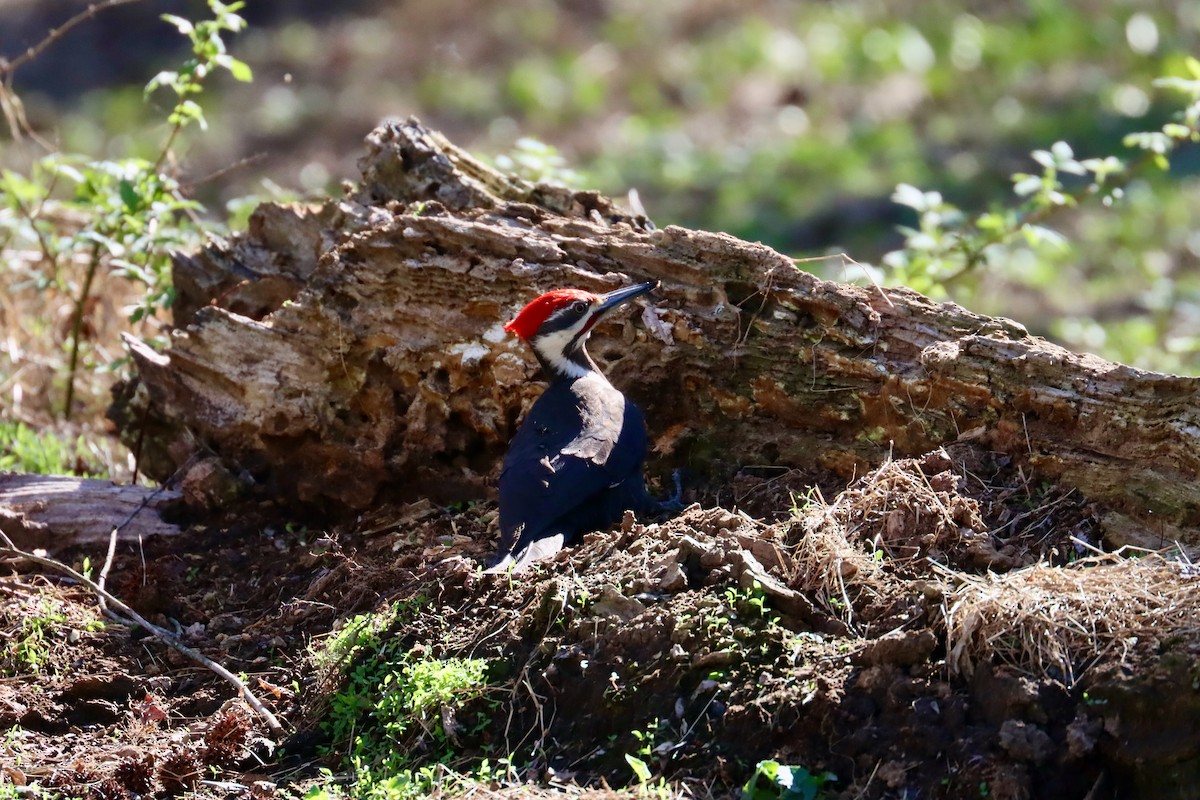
{"x": 52, "y": 512}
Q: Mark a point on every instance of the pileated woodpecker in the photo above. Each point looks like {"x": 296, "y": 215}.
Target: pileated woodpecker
{"x": 575, "y": 465}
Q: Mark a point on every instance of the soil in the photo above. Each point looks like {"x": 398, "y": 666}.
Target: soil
{"x": 867, "y": 631}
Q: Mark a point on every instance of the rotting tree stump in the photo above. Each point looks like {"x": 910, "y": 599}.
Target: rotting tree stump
{"x": 341, "y": 352}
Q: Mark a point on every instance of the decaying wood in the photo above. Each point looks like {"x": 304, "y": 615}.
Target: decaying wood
{"x": 352, "y": 349}
{"x": 51, "y": 512}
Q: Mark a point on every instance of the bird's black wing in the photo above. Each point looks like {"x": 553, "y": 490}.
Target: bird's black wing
{"x": 567, "y": 451}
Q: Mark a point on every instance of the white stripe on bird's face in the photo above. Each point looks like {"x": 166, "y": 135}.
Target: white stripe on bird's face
{"x": 556, "y": 347}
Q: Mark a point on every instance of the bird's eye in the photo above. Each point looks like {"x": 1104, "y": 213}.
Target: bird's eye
{"x": 578, "y": 307}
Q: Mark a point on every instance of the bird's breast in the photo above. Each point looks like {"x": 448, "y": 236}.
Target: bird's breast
{"x": 602, "y": 417}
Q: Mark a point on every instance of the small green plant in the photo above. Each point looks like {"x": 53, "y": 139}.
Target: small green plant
{"x": 12, "y": 749}
{"x": 208, "y": 55}
{"x": 38, "y": 631}
{"x": 648, "y": 737}
{"x": 128, "y": 214}
{"x": 802, "y": 503}
{"x": 23, "y": 449}
{"x": 750, "y": 601}
{"x": 646, "y": 786}
{"x": 361, "y": 632}
{"x": 324, "y": 792}
{"x": 397, "y": 716}
{"x": 774, "y": 781}
{"x": 641, "y": 772}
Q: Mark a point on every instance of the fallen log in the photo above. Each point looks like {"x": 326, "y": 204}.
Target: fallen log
{"x": 354, "y": 349}
{"x": 53, "y": 512}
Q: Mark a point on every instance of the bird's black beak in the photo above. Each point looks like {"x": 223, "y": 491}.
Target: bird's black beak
{"x": 615, "y": 298}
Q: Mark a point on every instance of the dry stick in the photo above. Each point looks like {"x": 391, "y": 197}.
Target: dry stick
{"x": 77, "y": 328}
{"x": 191, "y": 186}
{"x": 112, "y": 541}
{"x": 133, "y": 618}
{"x": 7, "y": 68}
{"x": 10, "y": 104}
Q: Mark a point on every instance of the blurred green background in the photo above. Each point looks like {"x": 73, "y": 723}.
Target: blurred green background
{"x": 789, "y": 123}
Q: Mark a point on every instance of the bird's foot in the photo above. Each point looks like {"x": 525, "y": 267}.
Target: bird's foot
{"x": 673, "y": 504}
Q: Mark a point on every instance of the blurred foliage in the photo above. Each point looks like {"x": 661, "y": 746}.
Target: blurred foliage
{"x": 24, "y": 450}
{"x": 792, "y": 124}
{"x": 82, "y": 216}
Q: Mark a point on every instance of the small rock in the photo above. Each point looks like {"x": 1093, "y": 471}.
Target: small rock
{"x": 672, "y": 579}
{"x": 902, "y": 648}
{"x": 894, "y": 774}
{"x": 615, "y": 605}
{"x": 208, "y": 484}
{"x": 1024, "y": 741}
{"x": 226, "y": 623}
{"x": 1082, "y": 734}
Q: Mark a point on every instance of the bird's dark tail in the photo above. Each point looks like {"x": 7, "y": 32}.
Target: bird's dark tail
{"x": 524, "y": 556}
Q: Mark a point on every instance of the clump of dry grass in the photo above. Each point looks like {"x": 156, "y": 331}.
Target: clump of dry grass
{"x": 824, "y": 563}
{"x": 911, "y": 509}
{"x": 1057, "y": 622}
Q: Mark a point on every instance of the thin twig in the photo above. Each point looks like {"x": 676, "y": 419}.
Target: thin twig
{"x": 31, "y": 217}
{"x": 166, "y": 150}
{"x": 7, "y": 68}
{"x": 865, "y": 271}
{"x": 133, "y": 618}
{"x": 77, "y": 327}
{"x": 112, "y": 542}
{"x": 191, "y": 186}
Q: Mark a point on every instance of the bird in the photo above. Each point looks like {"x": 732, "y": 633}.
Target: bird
{"x": 575, "y": 464}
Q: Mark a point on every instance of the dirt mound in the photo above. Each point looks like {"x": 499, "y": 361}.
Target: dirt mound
{"x": 937, "y": 628}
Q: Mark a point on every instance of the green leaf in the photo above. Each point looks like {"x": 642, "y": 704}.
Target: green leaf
{"x": 1177, "y": 131}
{"x": 182, "y": 25}
{"x": 1062, "y": 152}
{"x": 640, "y": 770}
{"x": 909, "y": 195}
{"x": 1103, "y": 167}
{"x": 239, "y": 69}
{"x": 67, "y": 171}
{"x": 1039, "y": 235}
{"x": 1026, "y": 185}
{"x": 164, "y": 78}
{"x": 129, "y": 196}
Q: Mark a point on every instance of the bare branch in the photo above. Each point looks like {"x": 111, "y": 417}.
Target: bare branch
{"x": 128, "y": 616}
{"x": 7, "y": 67}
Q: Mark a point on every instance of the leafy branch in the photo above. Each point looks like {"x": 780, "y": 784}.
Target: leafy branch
{"x": 947, "y": 244}
{"x": 208, "y": 54}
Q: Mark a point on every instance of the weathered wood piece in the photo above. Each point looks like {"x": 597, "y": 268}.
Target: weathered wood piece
{"x": 52, "y": 512}
{"x": 356, "y": 348}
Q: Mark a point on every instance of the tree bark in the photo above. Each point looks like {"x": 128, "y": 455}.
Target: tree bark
{"x": 352, "y": 350}
{"x": 52, "y": 512}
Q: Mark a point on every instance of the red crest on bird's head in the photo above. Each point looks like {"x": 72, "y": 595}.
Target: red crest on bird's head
{"x": 526, "y": 323}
